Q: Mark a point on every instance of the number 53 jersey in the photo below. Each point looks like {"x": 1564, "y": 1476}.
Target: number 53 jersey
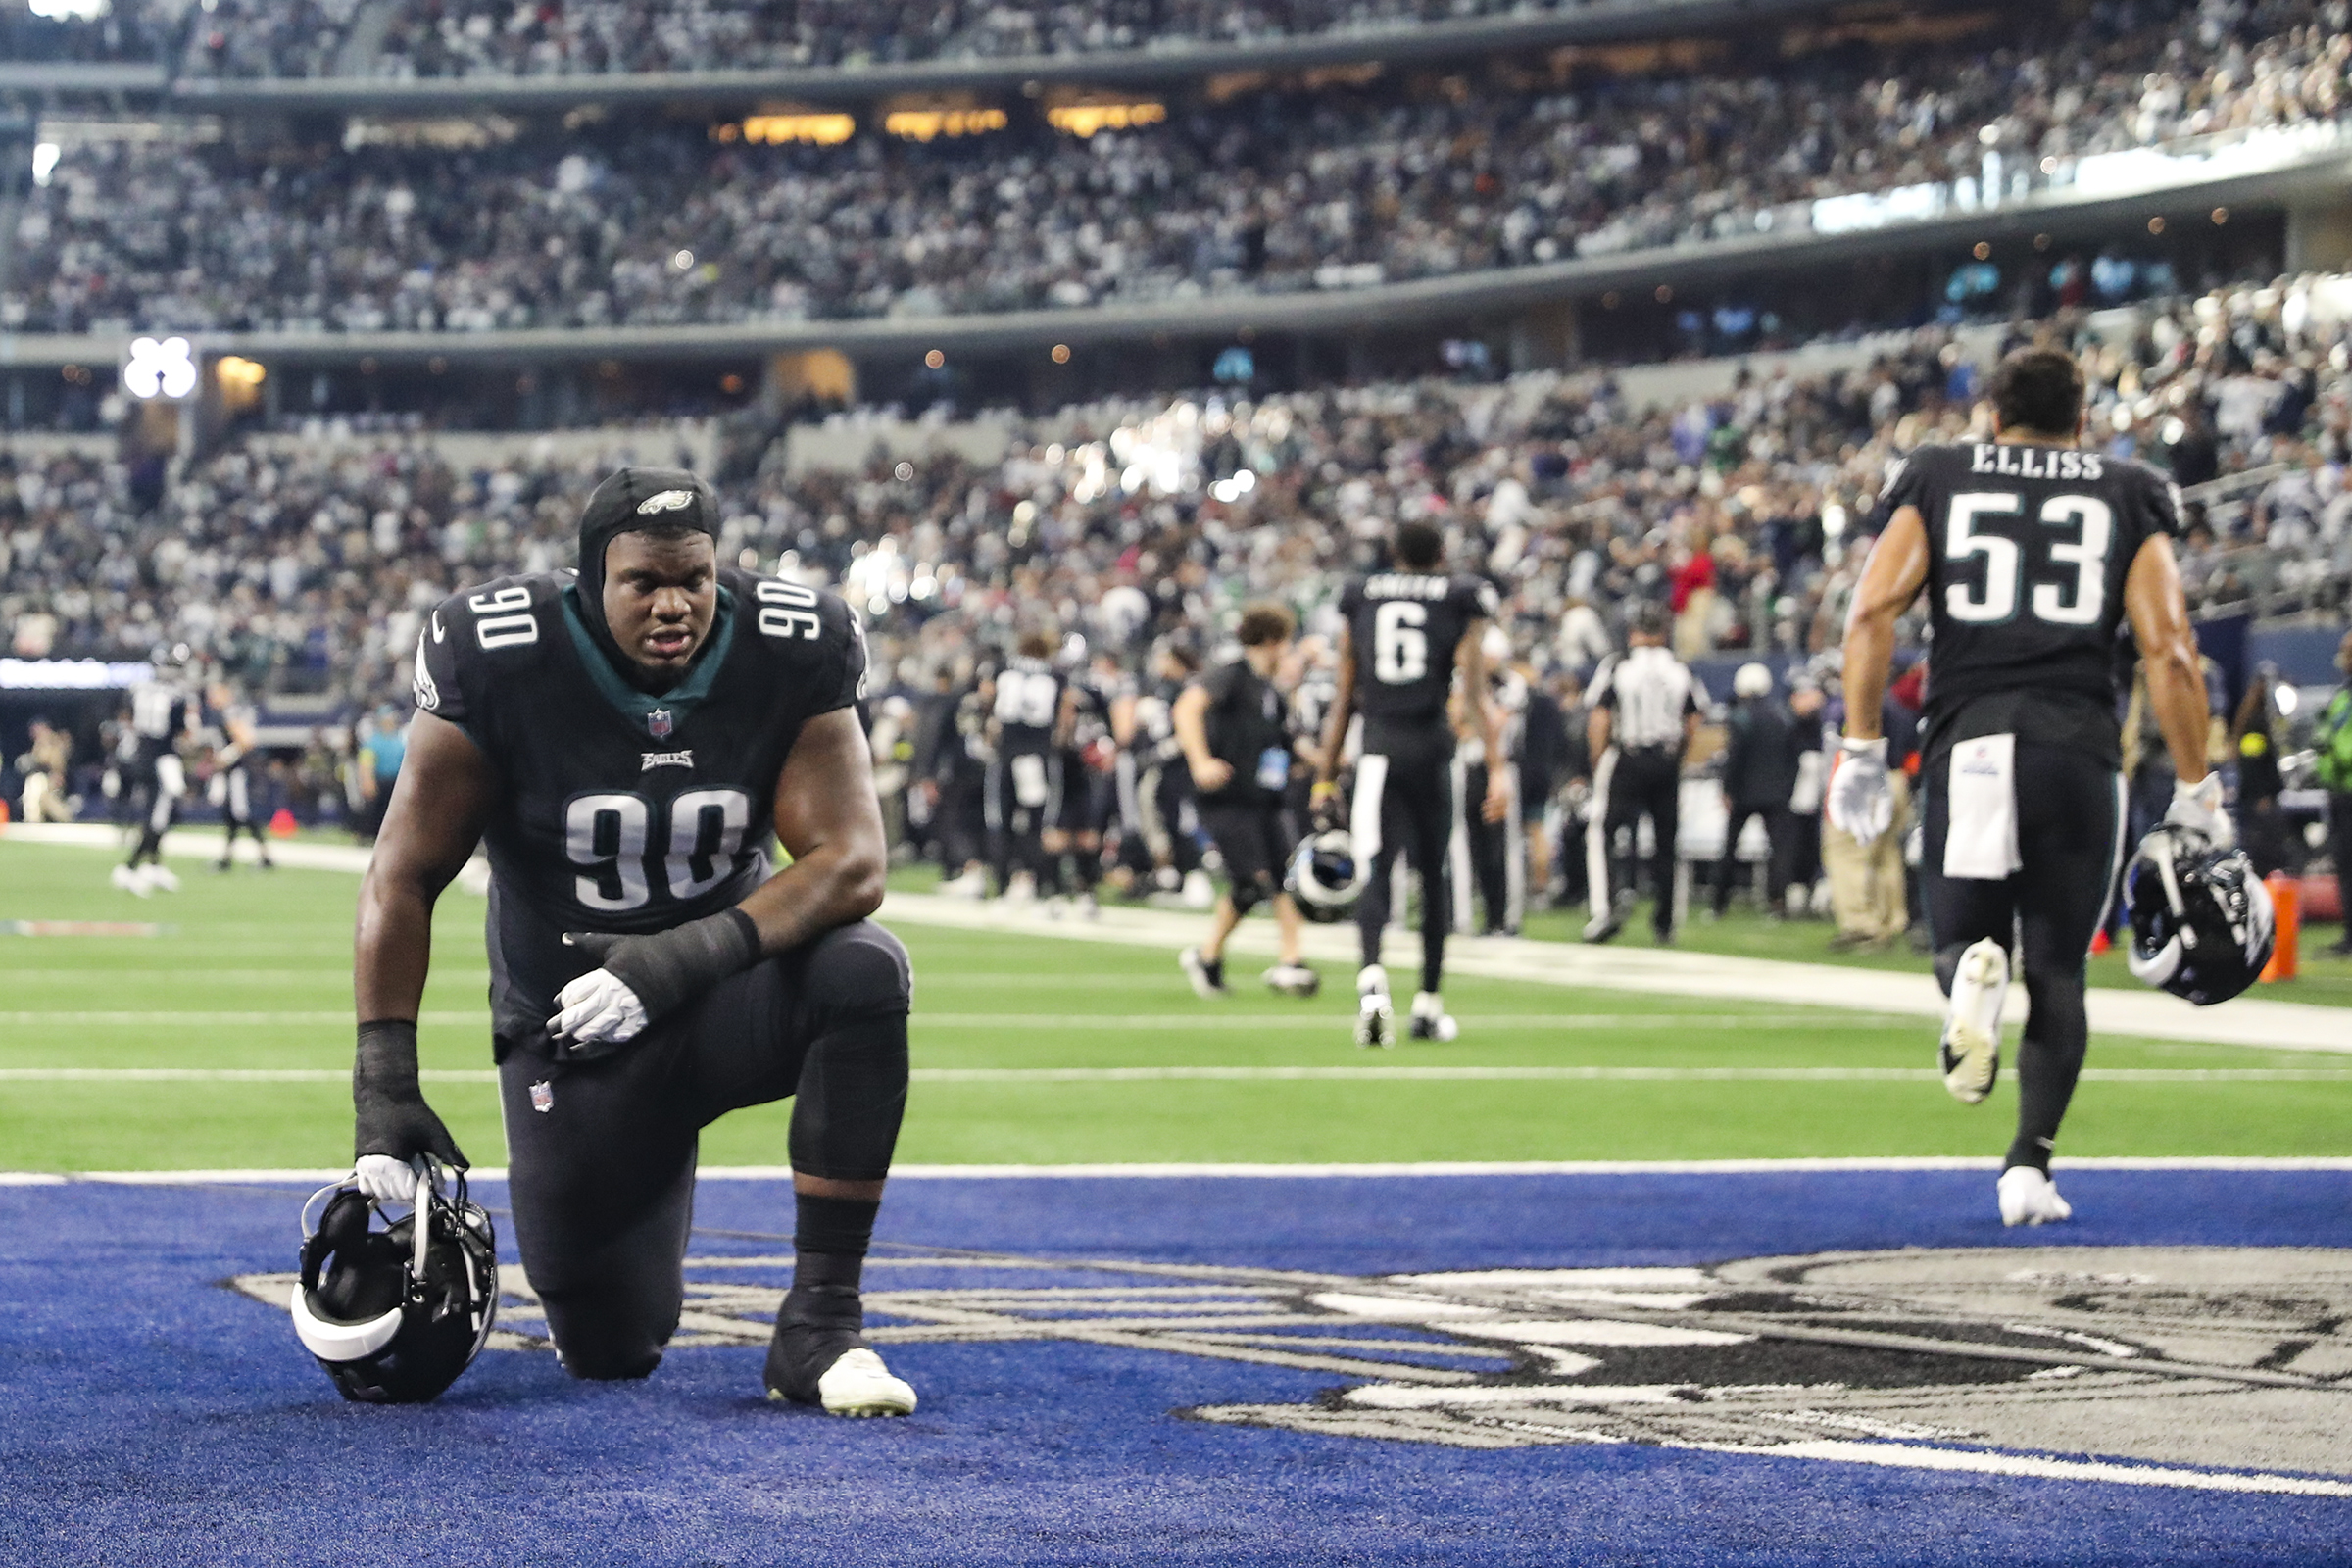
{"x": 2027, "y": 551}
{"x": 618, "y": 809}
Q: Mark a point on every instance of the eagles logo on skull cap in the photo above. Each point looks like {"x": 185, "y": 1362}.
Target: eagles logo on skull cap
{"x": 630, "y": 499}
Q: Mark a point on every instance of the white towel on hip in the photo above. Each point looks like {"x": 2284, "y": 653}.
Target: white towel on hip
{"x": 1979, "y": 839}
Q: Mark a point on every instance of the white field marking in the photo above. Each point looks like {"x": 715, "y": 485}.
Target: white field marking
{"x": 2138, "y": 1014}
{"x": 1920, "y": 1456}
{"x": 336, "y": 975}
{"x": 2143, "y": 1014}
{"x": 212, "y": 1020}
{"x": 1217, "y": 1074}
{"x": 201, "y": 843}
{"x": 1033, "y": 1022}
{"x": 1596, "y": 1167}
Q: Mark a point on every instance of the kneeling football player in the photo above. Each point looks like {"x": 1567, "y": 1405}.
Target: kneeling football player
{"x": 627, "y": 743}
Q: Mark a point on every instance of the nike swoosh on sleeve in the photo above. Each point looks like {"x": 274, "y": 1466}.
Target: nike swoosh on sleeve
{"x": 439, "y": 633}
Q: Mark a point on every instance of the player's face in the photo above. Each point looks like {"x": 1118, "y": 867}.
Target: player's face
{"x": 659, "y": 598}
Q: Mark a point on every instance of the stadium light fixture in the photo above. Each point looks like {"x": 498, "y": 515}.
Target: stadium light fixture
{"x": 69, "y": 10}
{"x": 45, "y": 155}
{"x": 163, "y": 368}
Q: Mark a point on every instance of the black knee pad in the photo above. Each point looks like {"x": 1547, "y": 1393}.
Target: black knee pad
{"x": 1250, "y": 892}
{"x": 595, "y": 1347}
{"x": 859, "y": 970}
{"x": 605, "y": 1366}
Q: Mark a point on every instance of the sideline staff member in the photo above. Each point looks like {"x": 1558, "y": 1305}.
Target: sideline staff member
{"x": 1232, "y": 725}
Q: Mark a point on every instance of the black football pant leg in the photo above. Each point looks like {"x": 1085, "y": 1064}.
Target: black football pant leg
{"x": 1414, "y": 808}
{"x": 2070, "y": 819}
{"x": 1644, "y": 783}
{"x": 1498, "y": 852}
{"x": 1726, "y": 870}
{"x": 601, "y": 1181}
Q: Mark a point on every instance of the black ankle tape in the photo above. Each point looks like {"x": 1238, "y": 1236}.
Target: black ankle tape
{"x": 835, "y": 1225}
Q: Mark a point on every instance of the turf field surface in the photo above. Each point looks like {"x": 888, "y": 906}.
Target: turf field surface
{"x": 1227, "y": 1371}
{"x": 223, "y": 1043}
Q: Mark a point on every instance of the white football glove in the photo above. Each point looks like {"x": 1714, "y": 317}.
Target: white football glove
{"x": 1861, "y": 800}
{"x": 597, "y": 1010}
{"x": 385, "y": 1179}
{"x": 2197, "y": 809}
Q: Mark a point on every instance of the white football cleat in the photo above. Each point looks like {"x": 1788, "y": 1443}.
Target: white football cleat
{"x": 2030, "y": 1198}
{"x": 1375, "y": 1013}
{"x": 1207, "y": 975}
{"x": 131, "y": 882}
{"x": 1199, "y": 891}
{"x": 158, "y": 876}
{"x": 1294, "y": 980}
{"x": 971, "y": 885}
{"x": 1970, "y": 1052}
{"x": 860, "y": 1385}
{"x": 1430, "y": 1021}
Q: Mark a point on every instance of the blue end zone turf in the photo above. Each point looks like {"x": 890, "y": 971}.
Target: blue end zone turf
{"x": 1235, "y": 1370}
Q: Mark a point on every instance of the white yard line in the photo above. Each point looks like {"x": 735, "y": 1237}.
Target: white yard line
{"x": 1221, "y": 1074}
{"x": 1653, "y": 971}
{"x": 1625, "y": 967}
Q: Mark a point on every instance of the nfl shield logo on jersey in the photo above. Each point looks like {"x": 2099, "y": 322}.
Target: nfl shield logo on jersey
{"x": 659, "y": 723}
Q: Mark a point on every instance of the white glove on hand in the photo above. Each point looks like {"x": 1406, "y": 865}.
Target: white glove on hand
{"x": 386, "y": 1180}
{"x": 1861, "y": 800}
{"x": 598, "y": 1009}
{"x": 2197, "y": 809}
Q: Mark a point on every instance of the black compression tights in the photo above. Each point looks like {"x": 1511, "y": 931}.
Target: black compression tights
{"x": 2048, "y": 1062}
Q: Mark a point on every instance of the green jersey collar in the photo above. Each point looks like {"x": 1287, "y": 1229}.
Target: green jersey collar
{"x": 639, "y": 706}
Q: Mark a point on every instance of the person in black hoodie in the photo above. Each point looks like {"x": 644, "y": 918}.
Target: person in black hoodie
{"x": 1759, "y": 774}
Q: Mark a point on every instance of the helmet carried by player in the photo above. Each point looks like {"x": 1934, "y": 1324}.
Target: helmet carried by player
{"x": 2201, "y": 921}
{"x": 395, "y": 1314}
{"x": 1325, "y": 877}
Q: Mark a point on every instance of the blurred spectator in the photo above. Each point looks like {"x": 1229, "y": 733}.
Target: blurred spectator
{"x": 2333, "y": 740}
{"x": 651, "y": 224}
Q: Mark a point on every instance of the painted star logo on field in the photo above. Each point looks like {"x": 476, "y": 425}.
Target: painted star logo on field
{"x": 2218, "y": 1368}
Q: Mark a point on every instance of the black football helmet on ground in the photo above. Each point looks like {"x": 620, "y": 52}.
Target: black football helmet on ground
{"x": 395, "y": 1314}
{"x": 2201, "y": 919}
{"x": 1324, "y": 878}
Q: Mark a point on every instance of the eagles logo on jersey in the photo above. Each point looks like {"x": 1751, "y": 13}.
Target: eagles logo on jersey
{"x": 623, "y": 810}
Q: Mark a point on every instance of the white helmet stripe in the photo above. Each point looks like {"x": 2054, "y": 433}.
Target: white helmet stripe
{"x": 330, "y": 1341}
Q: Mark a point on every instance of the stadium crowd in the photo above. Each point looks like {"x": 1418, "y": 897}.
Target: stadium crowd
{"x": 1273, "y": 192}
{"x": 263, "y": 38}
{"x": 304, "y": 562}
{"x": 1138, "y": 532}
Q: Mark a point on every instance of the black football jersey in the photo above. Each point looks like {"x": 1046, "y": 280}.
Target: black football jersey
{"x": 1406, "y": 626}
{"x": 159, "y": 713}
{"x": 2027, "y": 551}
{"x": 620, "y": 811}
{"x": 1028, "y": 705}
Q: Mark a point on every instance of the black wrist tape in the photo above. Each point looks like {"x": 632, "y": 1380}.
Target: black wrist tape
{"x": 669, "y": 968}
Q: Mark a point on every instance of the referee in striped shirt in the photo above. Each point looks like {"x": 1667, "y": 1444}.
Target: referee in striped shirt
{"x": 1646, "y": 707}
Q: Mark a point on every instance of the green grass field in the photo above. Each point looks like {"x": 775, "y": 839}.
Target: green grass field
{"x": 1015, "y": 1040}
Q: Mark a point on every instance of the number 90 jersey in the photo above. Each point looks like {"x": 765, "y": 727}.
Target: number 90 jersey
{"x": 2027, "y": 550}
{"x": 1406, "y": 626}
{"x": 620, "y": 811}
